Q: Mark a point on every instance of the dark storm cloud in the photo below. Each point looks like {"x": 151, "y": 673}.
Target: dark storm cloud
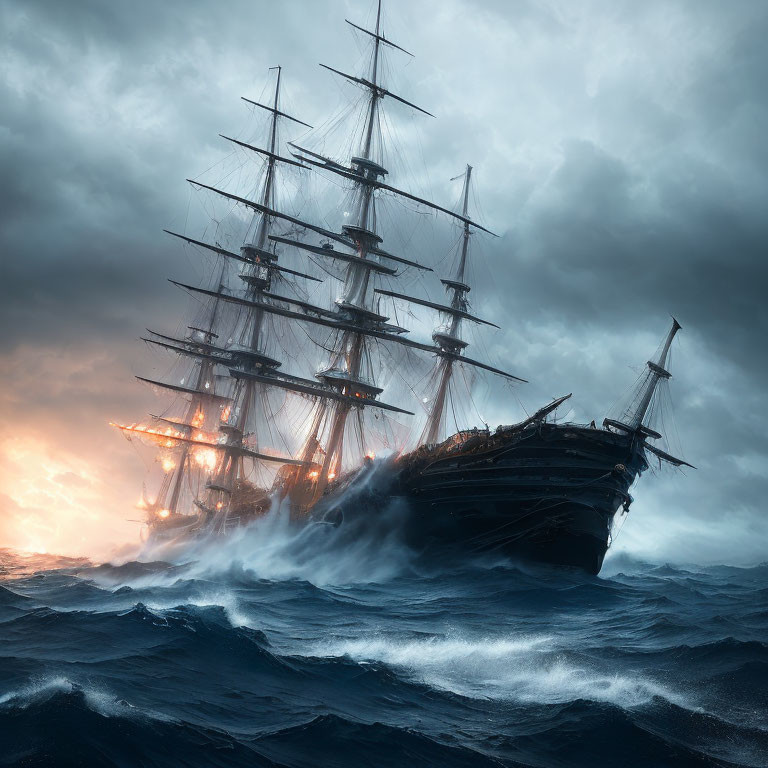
{"x": 619, "y": 149}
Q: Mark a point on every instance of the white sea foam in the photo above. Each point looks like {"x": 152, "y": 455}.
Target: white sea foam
{"x": 97, "y": 699}
{"x": 273, "y": 548}
{"x": 36, "y": 691}
{"x": 524, "y": 669}
{"x": 216, "y": 598}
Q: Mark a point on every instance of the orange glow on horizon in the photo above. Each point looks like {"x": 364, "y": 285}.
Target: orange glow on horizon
{"x": 52, "y": 500}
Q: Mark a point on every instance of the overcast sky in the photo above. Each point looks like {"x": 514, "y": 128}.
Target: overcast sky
{"x": 619, "y": 149}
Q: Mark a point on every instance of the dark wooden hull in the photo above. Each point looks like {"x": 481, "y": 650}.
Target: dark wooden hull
{"x": 546, "y": 494}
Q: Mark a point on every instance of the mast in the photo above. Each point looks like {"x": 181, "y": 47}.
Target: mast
{"x": 633, "y": 417}
{"x": 346, "y": 364}
{"x": 459, "y": 289}
{"x": 200, "y": 398}
{"x": 258, "y": 277}
{"x": 372, "y": 111}
{"x": 205, "y": 372}
{"x": 636, "y": 413}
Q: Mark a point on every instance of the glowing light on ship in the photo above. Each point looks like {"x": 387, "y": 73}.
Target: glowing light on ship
{"x": 168, "y": 464}
{"x": 206, "y": 458}
{"x": 164, "y": 513}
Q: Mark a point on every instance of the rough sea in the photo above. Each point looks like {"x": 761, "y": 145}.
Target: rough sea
{"x": 284, "y": 649}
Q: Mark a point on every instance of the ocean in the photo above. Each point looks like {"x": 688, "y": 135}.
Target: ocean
{"x": 286, "y": 649}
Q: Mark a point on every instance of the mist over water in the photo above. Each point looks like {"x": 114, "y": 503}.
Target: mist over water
{"x": 324, "y": 646}
{"x": 364, "y": 549}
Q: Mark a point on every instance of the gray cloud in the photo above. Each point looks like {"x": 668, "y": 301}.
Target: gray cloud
{"x": 619, "y": 149}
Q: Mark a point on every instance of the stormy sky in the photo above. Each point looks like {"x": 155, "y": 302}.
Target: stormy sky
{"x": 619, "y": 150}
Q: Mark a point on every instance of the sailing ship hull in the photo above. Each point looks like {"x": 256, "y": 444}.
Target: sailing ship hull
{"x": 546, "y": 494}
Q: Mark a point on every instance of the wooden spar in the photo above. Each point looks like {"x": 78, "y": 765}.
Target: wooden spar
{"x": 232, "y": 255}
{"x": 350, "y": 173}
{"x": 270, "y": 211}
{"x": 185, "y": 390}
{"x": 334, "y": 254}
{"x": 349, "y": 244}
{"x": 203, "y": 344}
{"x": 266, "y": 152}
{"x": 308, "y": 387}
{"x": 277, "y": 112}
{"x": 667, "y": 457}
{"x": 215, "y": 248}
{"x": 240, "y": 450}
{"x": 381, "y": 38}
{"x": 302, "y": 304}
{"x": 433, "y": 305}
{"x": 376, "y": 89}
{"x": 190, "y": 352}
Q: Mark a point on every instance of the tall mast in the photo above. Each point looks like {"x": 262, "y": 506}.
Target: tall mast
{"x": 250, "y": 368}
{"x": 451, "y": 340}
{"x": 657, "y": 371}
{"x": 204, "y": 373}
{"x": 373, "y": 108}
{"x": 633, "y": 417}
{"x": 188, "y": 434}
{"x": 351, "y": 351}
{"x": 258, "y": 276}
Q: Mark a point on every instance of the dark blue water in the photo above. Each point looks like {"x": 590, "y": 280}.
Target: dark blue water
{"x": 284, "y": 652}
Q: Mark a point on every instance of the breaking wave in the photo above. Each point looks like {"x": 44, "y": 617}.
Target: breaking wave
{"x": 321, "y": 553}
{"x": 527, "y": 670}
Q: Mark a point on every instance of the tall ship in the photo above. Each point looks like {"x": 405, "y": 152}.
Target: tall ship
{"x": 295, "y": 389}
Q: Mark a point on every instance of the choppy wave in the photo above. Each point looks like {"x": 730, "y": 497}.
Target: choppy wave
{"x": 526, "y": 670}
{"x": 251, "y": 660}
